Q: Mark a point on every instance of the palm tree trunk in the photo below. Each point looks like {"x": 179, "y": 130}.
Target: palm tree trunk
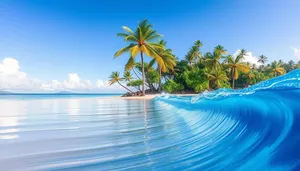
{"x": 159, "y": 81}
{"x": 125, "y": 87}
{"x": 166, "y": 79}
{"x": 143, "y": 71}
{"x": 232, "y": 76}
{"x": 151, "y": 86}
{"x": 136, "y": 73}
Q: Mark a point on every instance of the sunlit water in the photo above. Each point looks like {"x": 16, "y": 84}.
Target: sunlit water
{"x": 251, "y": 129}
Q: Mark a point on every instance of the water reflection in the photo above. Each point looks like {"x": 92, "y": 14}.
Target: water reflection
{"x": 10, "y": 115}
{"x": 53, "y": 133}
{"x": 73, "y": 106}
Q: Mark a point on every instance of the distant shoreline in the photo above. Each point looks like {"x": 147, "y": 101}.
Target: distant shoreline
{"x": 103, "y": 95}
{"x": 146, "y": 97}
{"x": 61, "y": 93}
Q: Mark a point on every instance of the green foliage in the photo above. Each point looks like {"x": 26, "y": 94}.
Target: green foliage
{"x": 196, "y": 79}
{"x": 171, "y": 86}
{"x": 140, "y": 41}
{"x": 127, "y": 76}
{"x": 181, "y": 67}
{"x": 135, "y": 83}
{"x": 197, "y": 72}
{"x": 115, "y": 78}
{"x": 217, "y": 78}
{"x": 194, "y": 52}
{"x": 152, "y": 76}
{"x": 225, "y": 84}
{"x": 201, "y": 87}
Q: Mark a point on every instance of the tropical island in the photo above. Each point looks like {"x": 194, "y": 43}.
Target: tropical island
{"x": 197, "y": 72}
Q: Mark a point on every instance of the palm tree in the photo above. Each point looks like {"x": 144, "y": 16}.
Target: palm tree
{"x": 212, "y": 60}
{"x": 127, "y": 76}
{"x": 216, "y": 77}
{"x": 198, "y": 54}
{"x": 236, "y": 65}
{"x": 198, "y": 43}
{"x": 253, "y": 67}
{"x": 220, "y": 50}
{"x": 276, "y": 68}
{"x": 140, "y": 42}
{"x": 168, "y": 61}
{"x": 115, "y": 78}
{"x": 250, "y": 78}
{"x": 261, "y": 68}
{"x": 280, "y": 62}
{"x": 291, "y": 65}
{"x": 131, "y": 65}
{"x": 248, "y": 64}
{"x": 262, "y": 59}
{"x": 194, "y": 53}
{"x": 243, "y": 52}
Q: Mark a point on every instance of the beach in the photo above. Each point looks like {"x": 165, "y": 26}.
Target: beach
{"x": 146, "y": 97}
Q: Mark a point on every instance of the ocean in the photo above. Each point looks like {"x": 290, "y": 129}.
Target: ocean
{"x": 257, "y": 128}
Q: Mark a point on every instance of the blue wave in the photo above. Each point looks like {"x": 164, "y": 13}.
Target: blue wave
{"x": 253, "y": 129}
{"x": 257, "y": 128}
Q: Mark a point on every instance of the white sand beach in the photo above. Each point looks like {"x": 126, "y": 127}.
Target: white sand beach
{"x": 147, "y": 97}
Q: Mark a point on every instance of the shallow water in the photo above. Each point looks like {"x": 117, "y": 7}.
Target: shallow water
{"x": 252, "y": 129}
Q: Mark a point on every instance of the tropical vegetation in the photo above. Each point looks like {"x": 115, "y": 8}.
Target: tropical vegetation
{"x": 196, "y": 72}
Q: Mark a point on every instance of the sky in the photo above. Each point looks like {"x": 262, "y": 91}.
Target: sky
{"x": 58, "y": 45}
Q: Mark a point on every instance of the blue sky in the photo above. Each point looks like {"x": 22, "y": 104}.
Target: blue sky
{"x": 53, "y": 38}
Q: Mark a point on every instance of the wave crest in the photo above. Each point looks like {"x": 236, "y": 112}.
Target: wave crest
{"x": 284, "y": 82}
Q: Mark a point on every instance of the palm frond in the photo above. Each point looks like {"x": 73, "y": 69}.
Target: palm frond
{"x": 131, "y": 38}
{"x": 123, "y": 50}
{"x": 127, "y": 29}
{"x": 127, "y": 76}
{"x": 239, "y": 58}
{"x": 134, "y": 50}
{"x": 151, "y": 63}
{"x": 130, "y": 64}
{"x": 144, "y": 49}
{"x": 122, "y": 35}
{"x": 243, "y": 68}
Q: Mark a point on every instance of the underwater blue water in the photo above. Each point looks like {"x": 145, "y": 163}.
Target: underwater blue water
{"x": 253, "y": 129}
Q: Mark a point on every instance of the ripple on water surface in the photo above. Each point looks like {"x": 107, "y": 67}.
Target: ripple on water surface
{"x": 228, "y": 130}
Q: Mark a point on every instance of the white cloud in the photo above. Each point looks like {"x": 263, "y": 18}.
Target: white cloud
{"x": 52, "y": 86}
{"x": 12, "y": 79}
{"x": 297, "y": 53}
{"x": 248, "y": 58}
{"x": 75, "y": 82}
{"x": 9, "y": 66}
{"x": 102, "y": 84}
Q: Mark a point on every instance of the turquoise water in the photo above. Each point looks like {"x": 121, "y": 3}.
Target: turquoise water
{"x": 251, "y": 129}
